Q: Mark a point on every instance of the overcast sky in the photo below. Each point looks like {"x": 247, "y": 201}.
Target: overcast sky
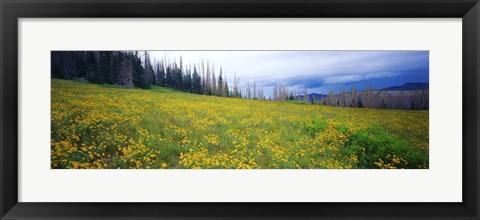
{"x": 318, "y": 71}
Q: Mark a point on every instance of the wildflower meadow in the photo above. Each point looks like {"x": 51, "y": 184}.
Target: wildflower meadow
{"x": 112, "y": 127}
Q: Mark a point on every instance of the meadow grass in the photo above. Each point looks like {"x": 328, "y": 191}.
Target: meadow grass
{"x": 109, "y": 127}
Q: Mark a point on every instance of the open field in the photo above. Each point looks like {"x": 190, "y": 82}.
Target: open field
{"x": 95, "y": 126}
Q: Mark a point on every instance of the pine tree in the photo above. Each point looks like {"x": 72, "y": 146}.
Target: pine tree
{"x": 179, "y": 76}
{"x": 160, "y": 73}
{"x": 138, "y": 72}
{"x": 187, "y": 80}
{"x": 214, "y": 82}
{"x": 226, "y": 90}
{"x": 196, "y": 81}
{"x": 221, "y": 88}
{"x": 204, "y": 79}
{"x": 208, "y": 82}
{"x": 169, "y": 76}
{"x": 149, "y": 74}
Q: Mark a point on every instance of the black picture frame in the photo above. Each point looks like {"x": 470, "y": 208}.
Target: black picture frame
{"x": 12, "y": 10}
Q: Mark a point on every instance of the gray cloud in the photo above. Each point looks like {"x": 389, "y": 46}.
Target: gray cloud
{"x": 310, "y": 69}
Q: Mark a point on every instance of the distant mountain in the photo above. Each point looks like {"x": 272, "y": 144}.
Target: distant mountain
{"x": 316, "y": 95}
{"x": 408, "y": 86}
{"x": 313, "y": 96}
{"x": 404, "y": 87}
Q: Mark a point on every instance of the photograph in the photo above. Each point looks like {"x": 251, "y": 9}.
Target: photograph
{"x": 240, "y": 109}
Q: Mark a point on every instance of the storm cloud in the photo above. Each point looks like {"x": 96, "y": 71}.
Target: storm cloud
{"x": 313, "y": 69}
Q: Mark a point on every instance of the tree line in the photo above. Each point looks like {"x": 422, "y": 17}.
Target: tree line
{"x": 368, "y": 98}
{"x": 137, "y": 69}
